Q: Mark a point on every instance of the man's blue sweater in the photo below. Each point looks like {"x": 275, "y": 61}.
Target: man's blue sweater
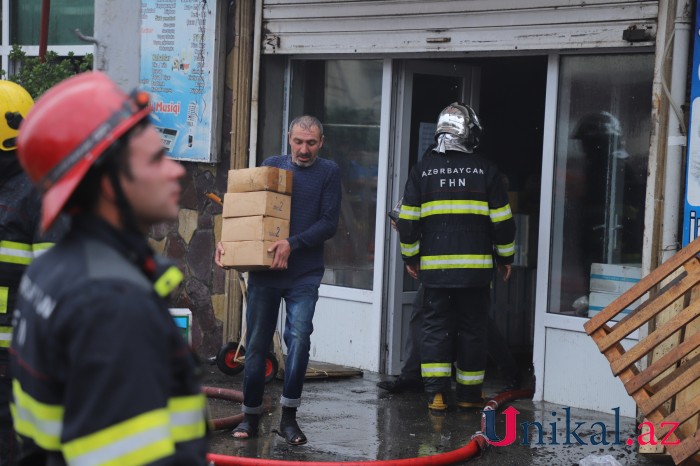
{"x": 314, "y": 219}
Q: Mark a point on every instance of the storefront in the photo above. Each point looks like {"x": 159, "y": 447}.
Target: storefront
{"x": 564, "y": 92}
{"x": 23, "y": 25}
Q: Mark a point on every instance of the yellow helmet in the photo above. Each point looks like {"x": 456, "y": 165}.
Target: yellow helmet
{"x": 15, "y": 102}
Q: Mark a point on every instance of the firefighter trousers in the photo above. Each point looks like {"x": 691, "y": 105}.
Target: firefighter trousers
{"x": 455, "y": 325}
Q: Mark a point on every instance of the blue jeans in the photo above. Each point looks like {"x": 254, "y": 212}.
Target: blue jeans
{"x": 263, "y": 308}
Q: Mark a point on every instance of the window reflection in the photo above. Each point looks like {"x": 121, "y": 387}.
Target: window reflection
{"x": 603, "y": 128}
{"x": 346, "y": 96}
{"x": 65, "y": 16}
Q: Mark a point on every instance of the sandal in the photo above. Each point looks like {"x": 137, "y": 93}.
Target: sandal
{"x": 292, "y": 433}
{"x": 248, "y": 428}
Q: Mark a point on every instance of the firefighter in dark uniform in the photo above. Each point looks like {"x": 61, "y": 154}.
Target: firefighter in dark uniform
{"x": 455, "y": 222}
{"x": 20, "y": 241}
{"x": 101, "y": 374}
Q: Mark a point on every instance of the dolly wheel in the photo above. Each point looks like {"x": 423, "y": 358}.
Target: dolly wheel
{"x": 271, "y": 367}
{"x": 226, "y": 359}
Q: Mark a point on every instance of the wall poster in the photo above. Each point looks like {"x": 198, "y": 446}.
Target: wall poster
{"x": 691, "y": 214}
{"x": 180, "y": 54}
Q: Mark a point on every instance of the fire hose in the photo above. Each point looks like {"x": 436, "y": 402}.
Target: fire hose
{"x": 228, "y": 395}
{"x": 476, "y": 445}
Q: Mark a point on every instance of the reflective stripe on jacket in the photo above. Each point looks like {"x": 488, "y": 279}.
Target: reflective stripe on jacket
{"x": 101, "y": 373}
{"x": 455, "y": 220}
{"x": 20, "y": 242}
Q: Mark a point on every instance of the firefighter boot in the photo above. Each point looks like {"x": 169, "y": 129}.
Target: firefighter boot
{"x": 401, "y": 384}
{"x": 437, "y": 402}
{"x": 469, "y": 397}
{"x": 470, "y": 404}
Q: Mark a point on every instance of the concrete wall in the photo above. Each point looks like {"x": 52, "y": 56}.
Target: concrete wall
{"x": 118, "y": 32}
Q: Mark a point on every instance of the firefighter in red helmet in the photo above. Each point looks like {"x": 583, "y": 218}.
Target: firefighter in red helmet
{"x": 101, "y": 374}
{"x": 20, "y": 240}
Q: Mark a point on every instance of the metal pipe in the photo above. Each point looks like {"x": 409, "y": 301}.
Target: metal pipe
{"x": 673, "y": 180}
{"x": 255, "y": 86}
{"x": 5, "y": 36}
{"x": 44, "y": 32}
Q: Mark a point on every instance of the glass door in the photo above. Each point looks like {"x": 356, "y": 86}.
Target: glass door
{"x": 425, "y": 89}
{"x": 601, "y": 153}
{"x": 346, "y": 96}
{"x": 595, "y": 162}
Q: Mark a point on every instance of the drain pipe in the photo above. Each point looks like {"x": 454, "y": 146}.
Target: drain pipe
{"x": 255, "y": 86}
{"x": 677, "y": 134}
{"x": 476, "y": 445}
{"x": 44, "y": 31}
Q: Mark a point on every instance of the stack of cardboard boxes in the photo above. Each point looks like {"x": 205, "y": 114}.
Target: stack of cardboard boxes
{"x": 256, "y": 214}
{"x": 608, "y": 282}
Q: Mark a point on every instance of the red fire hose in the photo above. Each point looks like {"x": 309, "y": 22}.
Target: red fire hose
{"x": 476, "y": 445}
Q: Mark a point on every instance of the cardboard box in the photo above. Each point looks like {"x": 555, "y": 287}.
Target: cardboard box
{"x": 255, "y": 228}
{"x": 257, "y": 203}
{"x": 614, "y": 278}
{"x": 247, "y": 255}
{"x": 260, "y": 179}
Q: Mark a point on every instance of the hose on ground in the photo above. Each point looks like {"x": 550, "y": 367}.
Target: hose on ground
{"x": 229, "y": 395}
{"x": 476, "y": 445}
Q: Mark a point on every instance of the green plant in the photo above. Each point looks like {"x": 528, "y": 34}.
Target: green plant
{"x": 37, "y": 76}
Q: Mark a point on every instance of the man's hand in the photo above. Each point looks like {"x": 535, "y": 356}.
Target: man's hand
{"x": 282, "y": 250}
{"x": 506, "y": 272}
{"x": 217, "y": 257}
{"x": 413, "y": 270}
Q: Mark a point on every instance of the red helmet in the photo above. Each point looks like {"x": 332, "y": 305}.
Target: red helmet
{"x": 67, "y": 131}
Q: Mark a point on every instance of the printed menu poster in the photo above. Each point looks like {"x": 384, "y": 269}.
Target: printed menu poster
{"x": 691, "y": 212}
{"x": 177, "y": 68}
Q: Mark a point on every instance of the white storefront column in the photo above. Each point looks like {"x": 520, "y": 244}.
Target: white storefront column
{"x": 117, "y": 40}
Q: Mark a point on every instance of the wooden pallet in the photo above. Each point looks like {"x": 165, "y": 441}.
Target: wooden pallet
{"x": 655, "y": 388}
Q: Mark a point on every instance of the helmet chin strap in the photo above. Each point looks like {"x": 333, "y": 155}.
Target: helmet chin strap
{"x": 126, "y": 212}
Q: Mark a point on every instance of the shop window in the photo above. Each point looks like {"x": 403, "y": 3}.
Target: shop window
{"x": 346, "y": 96}
{"x": 65, "y": 17}
{"x": 601, "y": 154}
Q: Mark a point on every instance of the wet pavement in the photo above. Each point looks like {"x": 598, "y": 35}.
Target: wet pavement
{"x": 351, "y": 419}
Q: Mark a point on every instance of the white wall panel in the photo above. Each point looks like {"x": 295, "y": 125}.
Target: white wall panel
{"x": 346, "y": 333}
{"x": 578, "y": 375}
{"x": 414, "y": 26}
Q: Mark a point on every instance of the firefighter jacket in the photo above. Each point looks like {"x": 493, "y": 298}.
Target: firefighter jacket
{"x": 20, "y": 242}
{"x": 455, "y": 220}
{"x": 101, "y": 374}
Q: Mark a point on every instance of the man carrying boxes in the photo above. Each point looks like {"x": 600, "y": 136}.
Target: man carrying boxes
{"x": 288, "y": 267}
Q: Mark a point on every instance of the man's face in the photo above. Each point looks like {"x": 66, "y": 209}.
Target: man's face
{"x": 305, "y": 144}
{"x": 153, "y": 190}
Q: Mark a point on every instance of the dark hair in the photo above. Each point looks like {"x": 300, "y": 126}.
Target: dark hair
{"x": 114, "y": 159}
